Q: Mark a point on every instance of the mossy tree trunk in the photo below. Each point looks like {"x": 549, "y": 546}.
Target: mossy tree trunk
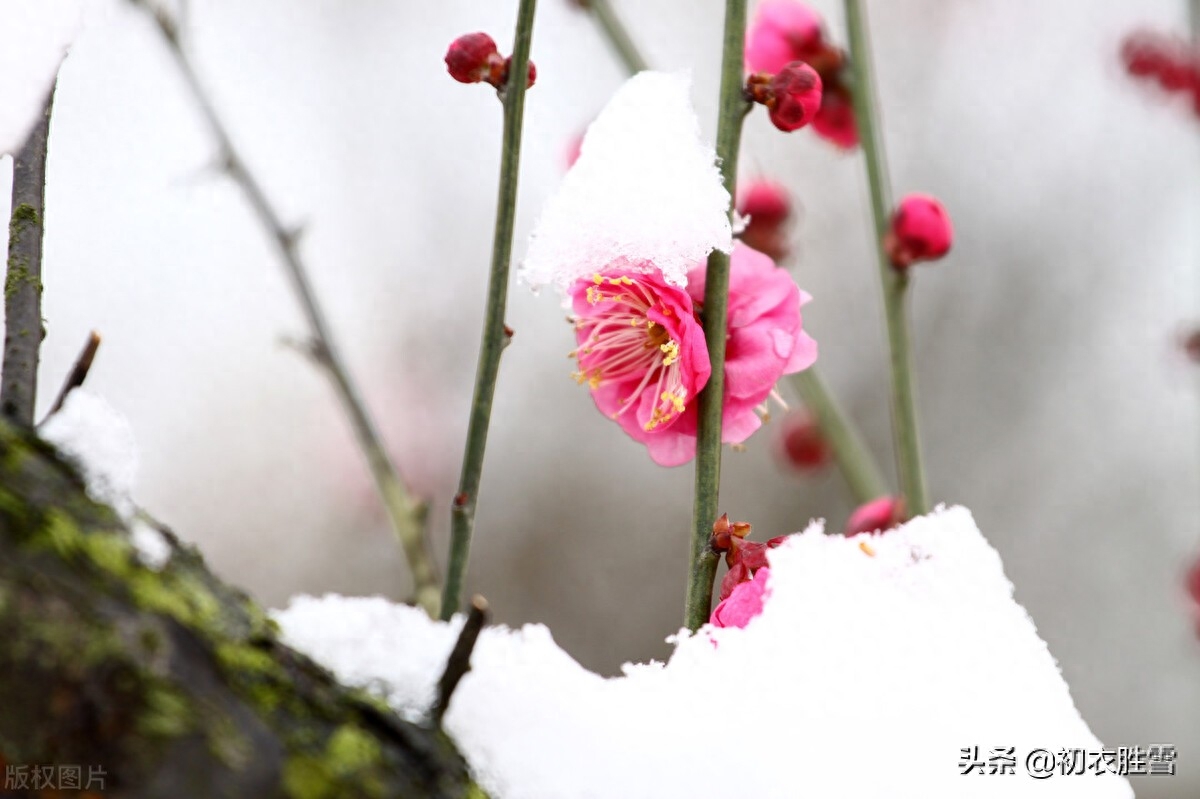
{"x": 172, "y": 682}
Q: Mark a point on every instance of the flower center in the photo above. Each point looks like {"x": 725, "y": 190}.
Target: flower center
{"x": 620, "y": 343}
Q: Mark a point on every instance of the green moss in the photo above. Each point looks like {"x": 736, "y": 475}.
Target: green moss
{"x": 23, "y": 216}
{"x": 351, "y": 756}
{"x": 167, "y": 712}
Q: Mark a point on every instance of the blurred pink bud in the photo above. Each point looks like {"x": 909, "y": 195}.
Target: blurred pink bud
{"x": 921, "y": 231}
{"x": 469, "y": 56}
{"x": 835, "y": 120}
{"x": 795, "y": 96}
{"x": 877, "y": 515}
{"x": 574, "y": 146}
{"x": 744, "y": 603}
{"x": 1192, "y": 582}
{"x": 769, "y": 207}
{"x": 782, "y": 31}
{"x": 801, "y": 445}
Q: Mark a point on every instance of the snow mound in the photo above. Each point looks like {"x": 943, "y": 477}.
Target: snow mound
{"x": 645, "y": 188}
{"x": 869, "y": 671}
{"x": 99, "y": 440}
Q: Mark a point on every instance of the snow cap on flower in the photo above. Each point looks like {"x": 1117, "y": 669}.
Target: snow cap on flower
{"x": 744, "y": 603}
{"x": 920, "y": 231}
{"x": 782, "y": 31}
{"x": 34, "y": 37}
{"x": 645, "y": 191}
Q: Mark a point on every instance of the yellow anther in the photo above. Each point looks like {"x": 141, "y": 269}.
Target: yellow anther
{"x": 593, "y": 294}
{"x": 597, "y": 279}
{"x": 671, "y": 350}
{"x": 865, "y": 547}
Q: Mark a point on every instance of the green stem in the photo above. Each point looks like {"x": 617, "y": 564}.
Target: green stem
{"x": 853, "y": 458}
{"x": 462, "y": 517}
{"x": 617, "y": 35}
{"x": 405, "y": 511}
{"x": 733, "y": 109}
{"x": 895, "y": 283}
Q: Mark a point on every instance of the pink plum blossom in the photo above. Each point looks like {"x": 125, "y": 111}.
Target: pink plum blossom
{"x": 641, "y": 349}
{"x": 769, "y": 208}
{"x": 766, "y": 338}
{"x": 642, "y": 353}
{"x": 744, "y": 603}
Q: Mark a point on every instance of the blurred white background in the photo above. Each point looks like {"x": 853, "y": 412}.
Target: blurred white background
{"x": 1054, "y": 402}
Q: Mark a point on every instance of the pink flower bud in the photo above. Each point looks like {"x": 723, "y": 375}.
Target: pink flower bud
{"x": 801, "y": 445}
{"x": 769, "y": 208}
{"x": 795, "y": 96}
{"x": 1192, "y": 582}
{"x": 835, "y": 120}
{"x": 877, "y": 515}
{"x": 468, "y": 58}
{"x": 921, "y": 231}
{"x": 782, "y": 31}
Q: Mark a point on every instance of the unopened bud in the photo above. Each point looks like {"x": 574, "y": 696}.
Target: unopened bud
{"x": 921, "y": 231}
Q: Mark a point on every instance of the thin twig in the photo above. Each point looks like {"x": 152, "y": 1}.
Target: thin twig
{"x": 405, "y": 511}
{"x": 734, "y": 107}
{"x": 854, "y": 460}
{"x": 617, "y": 35}
{"x": 459, "y": 662}
{"x": 23, "y": 282}
{"x": 78, "y": 373}
{"x": 895, "y": 282}
{"x": 495, "y": 338}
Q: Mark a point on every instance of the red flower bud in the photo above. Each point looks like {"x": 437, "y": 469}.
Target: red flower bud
{"x": 921, "y": 231}
{"x": 467, "y": 60}
{"x": 795, "y": 96}
{"x": 835, "y": 120}
{"x": 508, "y": 64}
{"x": 879, "y": 514}
{"x": 769, "y": 208}
{"x": 801, "y": 445}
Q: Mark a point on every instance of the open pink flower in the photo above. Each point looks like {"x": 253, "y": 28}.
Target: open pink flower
{"x": 766, "y": 338}
{"x": 642, "y": 353}
{"x": 744, "y": 603}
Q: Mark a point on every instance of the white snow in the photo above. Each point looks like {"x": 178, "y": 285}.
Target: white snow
{"x": 645, "y": 188}
{"x": 99, "y": 440}
{"x": 865, "y": 676}
{"x": 34, "y": 36}
{"x": 152, "y": 547}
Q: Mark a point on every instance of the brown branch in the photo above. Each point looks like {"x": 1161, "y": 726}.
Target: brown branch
{"x": 23, "y": 330}
{"x": 459, "y": 662}
{"x": 405, "y": 512}
{"x": 78, "y": 373}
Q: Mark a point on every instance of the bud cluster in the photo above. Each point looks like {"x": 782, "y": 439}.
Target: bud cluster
{"x": 474, "y": 58}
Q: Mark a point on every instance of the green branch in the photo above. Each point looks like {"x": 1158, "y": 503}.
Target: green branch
{"x": 495, "y": 337}
{"x": 853, "y": 458}
{"x": 618, "y": 36}
{"x": 895, "y": 283}
{"x": 733, "y": 109}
